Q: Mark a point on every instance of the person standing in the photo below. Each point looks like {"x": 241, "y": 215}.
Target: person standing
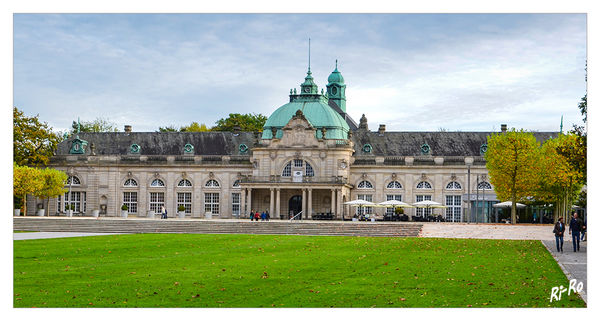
{"x": 251, "y": 216}
{"x": 584, "y": 230}
{"x": 574, "y": 229}
{"x": 163, "y": 212}
{"x": 559, "y": 232}
{"x": 267, "y": 216}
{"x": 256, "y": 216}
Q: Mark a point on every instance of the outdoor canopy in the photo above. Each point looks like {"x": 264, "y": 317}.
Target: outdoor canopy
{"x": 508, "y": 204}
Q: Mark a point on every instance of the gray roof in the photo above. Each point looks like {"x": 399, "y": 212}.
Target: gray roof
{"x": 440, "y": 143}
{"x": 164, "y": 143}
{"x": 228, "y": 143}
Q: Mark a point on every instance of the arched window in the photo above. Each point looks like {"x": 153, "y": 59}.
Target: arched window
{"x": 394, "y": 185}
{"x": 423, "y": 185}
{"x": 453, "y": 185}
{"x": 184, "y": 183}
{"x": 309, "y": 170}
{"x": 484, "y": 185}
{"x": 212, "y": 183}
{"x": 236, "y": 183}
{"x": 157, "y": 183}
{"x": 73, "y": 180}
{"x": 298, "y": 163}
{"x": 287, "y": 170}
{"x": 365, "y": 184}
{"x": 130, "y": 182}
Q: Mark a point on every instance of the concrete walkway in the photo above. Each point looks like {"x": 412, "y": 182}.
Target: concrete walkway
{"x": 488, "y": 231}
{"x": 573, "y": 264}
{"x": 52, "y": 235}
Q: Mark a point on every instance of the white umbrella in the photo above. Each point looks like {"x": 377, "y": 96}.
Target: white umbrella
{"x": 508, "y": 204}
{"x": 428, "y": 204}
{"x": 395, "y": 203}
{"x": 359, "y": 203}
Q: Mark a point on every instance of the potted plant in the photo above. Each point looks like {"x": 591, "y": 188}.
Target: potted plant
{"x": 96, "y": 213}
{"x": 181, "y": 211}
{"x": 41, "y": 211}
{"x": 69, "y": 209}
{"x": 124, "y": 209}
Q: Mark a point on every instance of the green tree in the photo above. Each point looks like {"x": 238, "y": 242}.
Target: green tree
{"x": 98, "y": 125}
{"x": 52, "y": 185}
{"x": 195, "y": 127}
{"x": 246, "y": 122}
{"x": 559, "y": 180}
{"x": 170, "y": 128}
{"x": 33, "y": 140}
{"x": 512, "y": 163}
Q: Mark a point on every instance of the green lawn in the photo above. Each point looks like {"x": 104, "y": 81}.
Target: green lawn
{"x": 194, "y": 270}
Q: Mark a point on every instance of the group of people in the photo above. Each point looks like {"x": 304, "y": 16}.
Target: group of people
{"x": 264, "y": 216}
{"x": 577, "y": 229}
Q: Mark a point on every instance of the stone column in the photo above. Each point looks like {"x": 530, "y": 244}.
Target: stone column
{"x": 272, "y": 203}
{"x": 243, "y": 212}
{"x": 333, "y": 201}
{"x": 304, "y": 202}
{"x": 249, "y": 200}
{"x": 338, "y": 212}
{"x": 309, "y": 204}
{"x": 278, "y": 204}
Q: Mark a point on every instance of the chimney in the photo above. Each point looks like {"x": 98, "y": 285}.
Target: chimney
{"x": 128, "y": 128}
{"x": 503, "y": 128}
{"x": 381, "y": 129}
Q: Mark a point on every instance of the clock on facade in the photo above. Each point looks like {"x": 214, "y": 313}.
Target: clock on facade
{"x": 307, "y": 89}
{"x": 333, "y": 90}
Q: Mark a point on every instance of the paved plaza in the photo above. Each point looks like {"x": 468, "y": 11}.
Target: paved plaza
{"x": 52, "y": 235}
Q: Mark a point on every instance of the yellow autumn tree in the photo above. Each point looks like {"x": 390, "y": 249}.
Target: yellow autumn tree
{"x": 26, "y": 180}
{"x": 512, "y": 162}
{"x": 559, "y": 179}
{"x": 52, "y": 185}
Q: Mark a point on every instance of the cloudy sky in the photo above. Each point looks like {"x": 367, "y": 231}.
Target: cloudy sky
{"x": 412, "y": 72}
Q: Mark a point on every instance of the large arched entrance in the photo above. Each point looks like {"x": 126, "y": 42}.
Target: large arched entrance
{"x": 295, "y": 206}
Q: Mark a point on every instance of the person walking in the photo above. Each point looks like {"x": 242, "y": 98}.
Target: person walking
{"x": 267, "y": 216}
{"x": 584, "y": 230}
{"x": 163, "y": 212}
{"x": 559, "y": 232}
{"x": 574, "y": 229}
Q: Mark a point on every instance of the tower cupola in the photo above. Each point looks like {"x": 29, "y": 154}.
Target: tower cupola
{"x": 336, "y": 89}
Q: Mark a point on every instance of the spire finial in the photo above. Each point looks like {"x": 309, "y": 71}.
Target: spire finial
{"x": 336, "y": 64}
{"x": 308, "y": 54}
{"x": 79, "y": 126}
{"x": 561, "y": 124}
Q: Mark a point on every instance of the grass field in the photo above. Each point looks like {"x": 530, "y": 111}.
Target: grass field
{"x": 193, "y": 270}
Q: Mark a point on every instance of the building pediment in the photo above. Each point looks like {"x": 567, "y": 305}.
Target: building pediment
{"x": 298, "y": 132}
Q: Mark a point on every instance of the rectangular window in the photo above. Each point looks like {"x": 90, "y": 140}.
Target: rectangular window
{"x": 361, "y": 209}
{"x": 397, "y": 197}
{"x": 157, "y": 201}
{"x": 130, "y": 199}
{"x": 185, "y": 199}
{"x": 77, "y": 200}
{"x": 211, "y": 202}
{"x": 235, "y": 204}
{"x": 454, "y": 208}
{"x": 298, "y": 163}
{"x": 425, "y": 212}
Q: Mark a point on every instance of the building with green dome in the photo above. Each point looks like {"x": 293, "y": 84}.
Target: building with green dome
{"x": 309, "y": 160}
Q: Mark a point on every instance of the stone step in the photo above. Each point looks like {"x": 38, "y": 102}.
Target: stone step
{"x": 115, "y": 225}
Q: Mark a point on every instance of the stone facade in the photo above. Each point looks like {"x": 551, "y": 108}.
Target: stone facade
{"x": 296, "y": 167}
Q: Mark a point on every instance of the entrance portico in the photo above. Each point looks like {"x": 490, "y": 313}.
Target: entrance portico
{"x": 283, "y": 200}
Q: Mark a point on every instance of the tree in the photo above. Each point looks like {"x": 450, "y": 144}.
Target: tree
{"x": 26, "y": 180}
{"x": 246, "y": 122}
{"x": 559, "y": 180}
{"x": 195, "y": 127}
{"x": 511, "y": 160}
{"x": 33, "y": 141}
{"x": 52, "y": 184}
{"x": 98, "y": 125}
